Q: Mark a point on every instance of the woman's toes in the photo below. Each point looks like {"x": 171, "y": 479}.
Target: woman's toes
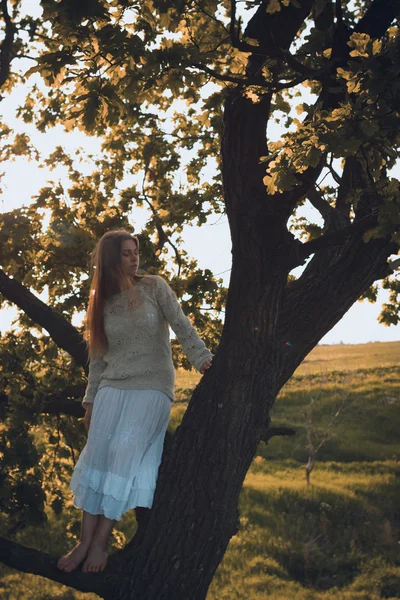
{"x": 72, "y": 560}
{"x": 96, "y": 560}
{"x": 85, "y": 567}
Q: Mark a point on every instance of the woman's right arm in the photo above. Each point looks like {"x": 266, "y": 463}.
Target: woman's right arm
{"x": 96, "y": 368}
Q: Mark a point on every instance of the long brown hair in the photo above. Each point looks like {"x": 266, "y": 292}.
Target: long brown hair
{"x": 107, "y": 279}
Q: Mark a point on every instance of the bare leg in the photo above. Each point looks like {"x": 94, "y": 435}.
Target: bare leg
{"x": 73, "y": 559}
{"x": 97, "y": 557}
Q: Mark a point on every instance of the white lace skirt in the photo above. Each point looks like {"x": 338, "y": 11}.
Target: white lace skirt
{"x": 118, "y": 467}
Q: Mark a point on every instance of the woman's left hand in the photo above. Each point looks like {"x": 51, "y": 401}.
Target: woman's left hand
{"x": 206, "y": 365}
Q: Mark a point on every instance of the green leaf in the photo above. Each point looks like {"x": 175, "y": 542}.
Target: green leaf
{"x": 313, "y": 157}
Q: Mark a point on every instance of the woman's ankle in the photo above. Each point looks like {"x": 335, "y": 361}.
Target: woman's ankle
{"x": 99, "y": 544}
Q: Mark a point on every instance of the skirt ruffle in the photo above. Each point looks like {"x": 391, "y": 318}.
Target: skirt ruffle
{"x": 118, "y": 467}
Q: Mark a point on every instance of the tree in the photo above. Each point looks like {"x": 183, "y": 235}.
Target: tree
{"x": 112, "y": 69}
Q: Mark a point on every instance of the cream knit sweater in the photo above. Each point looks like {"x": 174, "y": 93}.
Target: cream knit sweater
{"x": 139, "y": 351}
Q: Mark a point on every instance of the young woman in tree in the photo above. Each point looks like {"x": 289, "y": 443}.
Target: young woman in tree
{"x": 129, "y": 392}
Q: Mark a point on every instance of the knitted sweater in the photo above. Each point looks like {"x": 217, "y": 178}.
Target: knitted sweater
{"x": 139, "y": 353}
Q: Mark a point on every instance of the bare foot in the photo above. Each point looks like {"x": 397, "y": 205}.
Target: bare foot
{"x": 73, "y": 559}
{"x": 96, "y": 560}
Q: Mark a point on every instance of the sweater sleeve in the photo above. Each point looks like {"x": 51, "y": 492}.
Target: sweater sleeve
{"x": 96, "y": 368}
{"x": 194, "y": 348}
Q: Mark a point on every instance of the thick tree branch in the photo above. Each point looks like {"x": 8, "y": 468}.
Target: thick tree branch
{"x": 263, "y": 26}
{"x": 336, "y": 238}
{"x": 6, "y": 47}
{"x": 323, "y": 19}
{"x": 63, "y": 333}
{"x": 59, "y": 404}
{"x": 378, "y": 17}
{"x": 333, "y": 219}
{"x": 62, "y": 403}
{"x": 29, "y": 560}
{"x": 389, "y": 268}
{"x": 331, "y": 283}
{"x": 279, "y": 52}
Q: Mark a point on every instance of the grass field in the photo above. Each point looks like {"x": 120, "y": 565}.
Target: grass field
{"x": 337, "y": 538}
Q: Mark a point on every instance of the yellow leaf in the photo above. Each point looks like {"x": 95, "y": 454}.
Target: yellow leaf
{"x": 376, "y": 47}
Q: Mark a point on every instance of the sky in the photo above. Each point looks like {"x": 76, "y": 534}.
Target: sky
{"x": 209, "y": 244}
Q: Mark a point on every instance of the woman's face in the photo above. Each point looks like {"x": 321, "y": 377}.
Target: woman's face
{"x": 129, "y": 258}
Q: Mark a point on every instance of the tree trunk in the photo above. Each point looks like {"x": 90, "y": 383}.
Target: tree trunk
{"x": 195, "y": 510}
{"x": 176, "y": 555}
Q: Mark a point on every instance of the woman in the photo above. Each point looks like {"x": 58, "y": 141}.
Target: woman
{"x": 129, "y": 392}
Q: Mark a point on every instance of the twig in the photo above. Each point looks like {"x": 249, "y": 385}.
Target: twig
{"x": 312, "y": 452}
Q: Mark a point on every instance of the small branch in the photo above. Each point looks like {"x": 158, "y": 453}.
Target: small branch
{"x": 339, "y": 12}
{"x": 269, "y": 432}
{"x": 29, "y": 560}
{"x": 201, "y": 9}
{"x": 335, "y": 176}
{"x": 213, "y": 309}
{"x": 163, "y": 238}
{"x": 333, "y": 219}
{"x": 394, "y": 264}
{"x": 229, "y": 78}
{"x": 232, "y": 28}
{"x": 312, "y": 451}
{"x": 318, "y": 201}
{"x": 256, "y": 81}
{"x": 50, "y": 478}
{"x": 294, "y": 64}
{"x": 68, "y": 443}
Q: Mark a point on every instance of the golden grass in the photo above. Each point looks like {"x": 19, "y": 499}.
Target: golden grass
{"x": 350, "y": 356}
{"x": 335, "y": 539}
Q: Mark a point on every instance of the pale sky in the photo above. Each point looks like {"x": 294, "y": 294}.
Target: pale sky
{"x": 209, "y": 244}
